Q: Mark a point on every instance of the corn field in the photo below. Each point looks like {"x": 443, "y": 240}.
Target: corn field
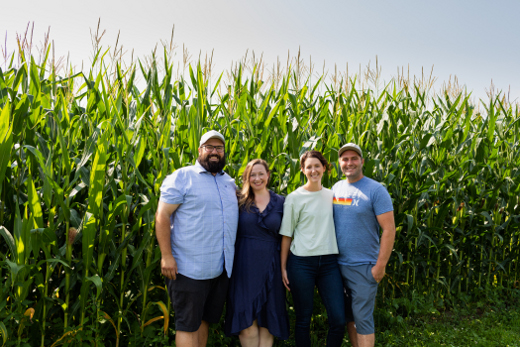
{"x": 83, "y": 154}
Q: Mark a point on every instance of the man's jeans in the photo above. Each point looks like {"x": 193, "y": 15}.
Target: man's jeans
{"x": 303, "y": 273}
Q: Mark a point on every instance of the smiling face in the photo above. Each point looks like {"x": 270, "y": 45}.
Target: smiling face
{"x": 351, "y": 165}
{"x": 213, "y": 161}
{"x": 259, "y": 177}
{"x": 313, "y": 170}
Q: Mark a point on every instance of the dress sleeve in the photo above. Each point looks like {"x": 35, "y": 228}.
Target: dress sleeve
{"x": 290, "y": 218}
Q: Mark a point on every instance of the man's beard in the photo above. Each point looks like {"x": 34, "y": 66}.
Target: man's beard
{"x": 213, "y": 167}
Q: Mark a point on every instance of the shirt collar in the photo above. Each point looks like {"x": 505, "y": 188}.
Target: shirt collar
{"x": 201, "y": 169}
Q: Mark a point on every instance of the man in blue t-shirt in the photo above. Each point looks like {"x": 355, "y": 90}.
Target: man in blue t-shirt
{"x": 362, "y": 208}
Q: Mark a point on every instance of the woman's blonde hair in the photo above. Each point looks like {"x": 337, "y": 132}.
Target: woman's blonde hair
{"x": 247, "y": 196}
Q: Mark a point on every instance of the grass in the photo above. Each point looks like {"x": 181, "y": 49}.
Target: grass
{"x": 464, "y": 320}
{"x": 471, "y": 326}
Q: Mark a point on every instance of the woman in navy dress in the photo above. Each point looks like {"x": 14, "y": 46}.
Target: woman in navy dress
{"x": 256, "y": 299}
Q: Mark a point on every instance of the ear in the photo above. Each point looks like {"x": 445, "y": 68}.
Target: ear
{"x": 200, "y": 151}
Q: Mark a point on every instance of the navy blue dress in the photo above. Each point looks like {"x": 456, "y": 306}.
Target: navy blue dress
{"x": 256, "y": 290}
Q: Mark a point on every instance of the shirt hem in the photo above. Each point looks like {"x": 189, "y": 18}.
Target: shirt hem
{"x": 167, "y": 202}
{"x": 385, "y": 211}
{"x": 316, "y": 254}
{"x": 358, "y": 264}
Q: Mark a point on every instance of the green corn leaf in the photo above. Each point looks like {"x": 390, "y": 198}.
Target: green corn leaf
{"x": 34, "y": 202}
{"x": 3, "y": 332}
{"x": 97, "y": 282}
{"x": 53, "y": 260}
{"x": 35, "y": 85}
{"x": 409, "y": 220}
{"x": 20, "y": 114}
{"x": 48, "y": 235}
{"x": 47, "y": 170}
{"x": 64, "y": 151}
{"x": 21, "y": 74}
{"x": 88, "y": 238}
{"x": 15, "y": 270}
{"x": 97, "y": 176}
{"x": 116, "y": 256}
{"x": 8, "y": 237}
{"x": 443, "y": 211}
{"x": 107, "y": 231}
{"x": 138, "y": 155}
{"x": 6, "y": 140}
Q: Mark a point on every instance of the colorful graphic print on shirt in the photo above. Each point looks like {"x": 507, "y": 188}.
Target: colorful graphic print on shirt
{"x": 346, "y": 201}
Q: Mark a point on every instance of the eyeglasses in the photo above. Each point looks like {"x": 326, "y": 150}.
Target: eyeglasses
{"x": 210, "y": 148}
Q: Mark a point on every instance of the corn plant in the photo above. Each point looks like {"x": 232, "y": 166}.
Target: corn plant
{"x": 82, "y": 157}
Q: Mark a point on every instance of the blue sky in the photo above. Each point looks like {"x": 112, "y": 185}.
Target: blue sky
{"x": 475, "y": 40}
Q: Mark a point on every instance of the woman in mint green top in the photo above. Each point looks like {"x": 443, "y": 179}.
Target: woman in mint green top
{"x": 308, "y": 232}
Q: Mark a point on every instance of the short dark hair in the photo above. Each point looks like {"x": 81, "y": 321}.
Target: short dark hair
{"x": 314, "y": 154}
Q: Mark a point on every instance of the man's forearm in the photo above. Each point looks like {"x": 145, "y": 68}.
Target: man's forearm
{"x": 386, "y": 246}
{"x": 162, "y": 232}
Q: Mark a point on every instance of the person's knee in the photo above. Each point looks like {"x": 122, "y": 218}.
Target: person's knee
{"x": 303, "y": 313}
{"x": 183, "y": 339}
{"x": 303, "y": 320}
{"x": 363, "y": 312}
{"x": 365, "y": 326}
{"x": 337, "y": 318}
{"x": 266, "y": 339}
{"x": 249, "y": 333}
{"x": 366, "y": 340}
{"x": 335, "y": 307}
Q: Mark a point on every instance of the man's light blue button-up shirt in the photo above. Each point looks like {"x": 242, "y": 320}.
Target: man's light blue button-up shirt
{"x": 204, "y": 226}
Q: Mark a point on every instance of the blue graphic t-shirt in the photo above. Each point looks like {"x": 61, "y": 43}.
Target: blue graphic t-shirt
{"x": 356, "y": 207}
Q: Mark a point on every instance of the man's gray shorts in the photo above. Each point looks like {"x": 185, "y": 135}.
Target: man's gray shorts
{"x": 362, "y": 288}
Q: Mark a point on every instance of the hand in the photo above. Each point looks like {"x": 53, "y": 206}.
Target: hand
{"x": 169, "y": 267}
{"x": 378, "y": 273}
{"x": 285, "y": 279}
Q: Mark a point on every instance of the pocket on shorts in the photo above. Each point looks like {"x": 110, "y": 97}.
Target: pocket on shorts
{"x": 369, "y": 274}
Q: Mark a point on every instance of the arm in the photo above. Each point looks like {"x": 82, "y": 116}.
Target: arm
{"x": 162, "y": 232}
{"x": 284, "y": 253}
{"x": 386, "y": 221}
{"x": 289, "y": 220}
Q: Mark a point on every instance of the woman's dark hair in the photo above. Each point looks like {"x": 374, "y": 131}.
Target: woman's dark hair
{"x": 317, "y": 155}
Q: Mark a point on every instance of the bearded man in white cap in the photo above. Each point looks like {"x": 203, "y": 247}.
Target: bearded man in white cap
{"x": 362, "y": 212}
{"x": 196, "y": 225}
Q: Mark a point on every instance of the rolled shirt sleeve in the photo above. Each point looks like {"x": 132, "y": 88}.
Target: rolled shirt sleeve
{"x": 173, "y": 188}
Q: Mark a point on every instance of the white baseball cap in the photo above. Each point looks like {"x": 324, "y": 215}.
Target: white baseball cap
{"x": 212, "y": 134}
{"x": 350, "y": 147}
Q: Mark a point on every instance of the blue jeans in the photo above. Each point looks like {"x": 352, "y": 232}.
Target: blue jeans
{"x": 304, "y": 272}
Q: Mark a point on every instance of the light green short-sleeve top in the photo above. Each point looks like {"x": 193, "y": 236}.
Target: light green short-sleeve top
{"x": 308, "y": 218}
